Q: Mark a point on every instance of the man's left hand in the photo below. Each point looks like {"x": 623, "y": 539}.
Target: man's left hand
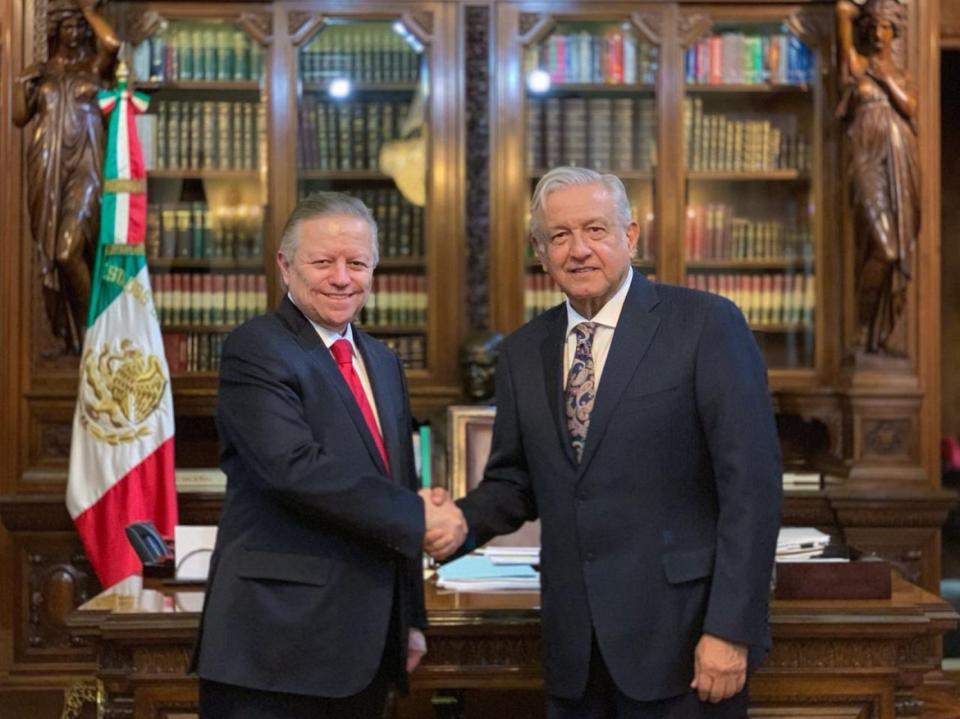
{"x": 720, "y": 668}
{"x": 416, "y": 648}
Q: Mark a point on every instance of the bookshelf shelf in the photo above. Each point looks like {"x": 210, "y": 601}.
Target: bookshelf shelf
{"x": 597, "y": 88}
{"x": 345, "y": 175}
{"x": 364, "y": 87}
{"x": 647, "y": 175}
{"x": 204, "y": 85}
{"x": 401, "y": 263}
{"x": 747, "y": 88}
{"x": 781, "y": 328}
{"x": 190, "y": 327}
{"x": 770, "y": 263}
{"x": 393, "y": 329}
{"x": 766, "y": 175}
{"x": 204, "y": 174}
{"x": 212, "y": 263}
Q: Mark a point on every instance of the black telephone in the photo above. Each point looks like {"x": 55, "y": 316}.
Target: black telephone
{"x": 147, "y": 542}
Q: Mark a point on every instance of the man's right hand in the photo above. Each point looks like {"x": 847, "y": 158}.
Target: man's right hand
{"x": 446, "y": 527}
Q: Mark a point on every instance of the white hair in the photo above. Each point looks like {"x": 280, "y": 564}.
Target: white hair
{"x": 322, "y": 204}
{"x": 560, "y": 178}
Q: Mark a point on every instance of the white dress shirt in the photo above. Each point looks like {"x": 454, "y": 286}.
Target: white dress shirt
{"x": 330, "y": 336}
{"x": 606, "y": 320}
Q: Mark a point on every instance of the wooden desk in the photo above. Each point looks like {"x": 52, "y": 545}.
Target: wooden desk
{"x": 857, "y": 659}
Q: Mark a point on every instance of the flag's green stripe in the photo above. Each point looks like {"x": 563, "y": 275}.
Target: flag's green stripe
{"x": 114, "y": 273}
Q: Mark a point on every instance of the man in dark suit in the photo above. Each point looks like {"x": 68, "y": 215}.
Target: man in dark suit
{"x": 314, "y": 603}
{"x": 634, "y": 421}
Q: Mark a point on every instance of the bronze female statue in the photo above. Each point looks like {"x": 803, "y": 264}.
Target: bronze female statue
{"x": 65, "y": 156}
{"x": 880, "y": 108}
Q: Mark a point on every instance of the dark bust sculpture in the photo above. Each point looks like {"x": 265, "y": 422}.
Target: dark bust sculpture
{"x": 880, "y": 108}
{"x": 478, "y": 364}
{"x": 65, "y": 157}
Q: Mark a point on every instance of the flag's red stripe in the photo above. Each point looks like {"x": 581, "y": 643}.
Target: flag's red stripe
{"x": 146, "y": 492}
{"x": 137, "y": 226}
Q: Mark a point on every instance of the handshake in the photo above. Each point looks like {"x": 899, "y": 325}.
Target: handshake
{"x": 446, "y": 527}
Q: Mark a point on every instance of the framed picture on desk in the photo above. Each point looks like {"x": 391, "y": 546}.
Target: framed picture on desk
{"x": 469, "y": 435}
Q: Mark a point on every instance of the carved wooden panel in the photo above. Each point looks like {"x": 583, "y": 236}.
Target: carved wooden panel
{"x": 888, "y": 439}
{"x": 49, "y": 429}
{"x": 56, "y": 578}
{"x": 832, "y": 654}
{"x": 477, "y": 76}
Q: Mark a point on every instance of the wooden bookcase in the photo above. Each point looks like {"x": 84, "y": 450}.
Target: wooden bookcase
{"x": 718, "y": 121}
{"x": 873, "y": 423}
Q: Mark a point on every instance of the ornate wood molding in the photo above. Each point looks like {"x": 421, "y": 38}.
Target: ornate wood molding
{"x": 477, "y": 91}
{"x": 420, "y": 23}
{"x": 258, "y": 25}
{"x": 691, "y": 27}
{"x": 302, "y": 25}
{"x": 533, "y": 27}
{"x": 650, "y": 25}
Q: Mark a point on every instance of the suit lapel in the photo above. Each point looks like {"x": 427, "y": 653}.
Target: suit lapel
{"x": 310, "y": 341}
{"x": 635, "y": 330}
{"x": 551, "y": 353}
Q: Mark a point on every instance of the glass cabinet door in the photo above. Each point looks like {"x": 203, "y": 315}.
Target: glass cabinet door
{"x": 204, "y": 139}
{"x": 363, "y": 127}
{"x": 590, "y": 101}
{"x": 749, "y": 122}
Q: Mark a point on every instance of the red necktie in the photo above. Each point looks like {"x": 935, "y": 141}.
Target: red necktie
{"x": 343, "y": 353}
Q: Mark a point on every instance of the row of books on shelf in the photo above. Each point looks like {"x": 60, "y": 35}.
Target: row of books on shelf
{"x": 200, "y": 351}
{"x": 364, "y": 53}
{"x": 598, "y": 132}
{"x": 765, "y": 299}
{"x": 396, "y": 299}
{"x": 190, "y": 230}
{"x": 713, "y": 233}
{"x": 612, "y": 56}
{"x": 345, "y": 135}
{"x": 747, "y": 58}
{"x": 540, "y": 293}
{"x": 746, "y": 142}
{"x": 205, "y": 52}
{"x": 399, "y": 222}
{"x": 193, "y": 351}
{"x": 412, "y": 349}
{"x": 204, "y": 135}
{"x": 205, "y": 299}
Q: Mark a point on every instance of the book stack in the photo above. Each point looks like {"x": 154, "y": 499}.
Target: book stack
{"x": 399, "y": 222}
{"x": 342, "y": 135}
{"x": 611, "y": 56}
{"x": 193, "y": 351}
{"x": 208, "y": 135}
{"x": 766, "y": 300}
{"x": 363, "y": 52}
{"x": 540, "y": 293}
{"x": 200, "y": 52}
{"x": 396, "y": 299}
{"x": 208, "y": 299}
{"x": 477, "y": 573}
{"x": 713, "y": 232}
{"x": 412, "y": 350}
{"x": 189, "y": 230}
{"x": 746, "y": 142}
{"x": 608, "y": 134}
{"x": 737, "y": 58}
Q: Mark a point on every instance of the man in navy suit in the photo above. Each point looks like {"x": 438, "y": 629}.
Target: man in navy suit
{"x": 314, "y": 603}
{"x": 634, "y": 421}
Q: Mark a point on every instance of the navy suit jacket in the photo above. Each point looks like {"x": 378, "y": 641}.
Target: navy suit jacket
{"x": 317, "y": 546}
{"x": 667, "y": 527}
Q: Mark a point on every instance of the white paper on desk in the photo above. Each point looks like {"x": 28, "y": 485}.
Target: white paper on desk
{"x": 192, "y": 549}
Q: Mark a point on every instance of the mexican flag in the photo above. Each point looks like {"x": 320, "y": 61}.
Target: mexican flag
{"x": 121, "y": 457}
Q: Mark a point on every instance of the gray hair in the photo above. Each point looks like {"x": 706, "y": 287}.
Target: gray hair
{"x": 560, "y": 178}
{"x": 322, "y": 204}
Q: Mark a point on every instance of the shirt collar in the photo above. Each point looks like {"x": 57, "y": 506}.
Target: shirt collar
{"x": 329, "y": 336}
{"x": 609, "y": 314}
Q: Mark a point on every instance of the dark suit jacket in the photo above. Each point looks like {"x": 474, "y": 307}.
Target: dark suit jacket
{"x": 667, "y": 528}
{"x": 316, "y": 543}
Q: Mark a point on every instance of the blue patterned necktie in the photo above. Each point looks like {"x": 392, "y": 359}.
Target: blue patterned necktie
{"x": 580, "y": 388}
